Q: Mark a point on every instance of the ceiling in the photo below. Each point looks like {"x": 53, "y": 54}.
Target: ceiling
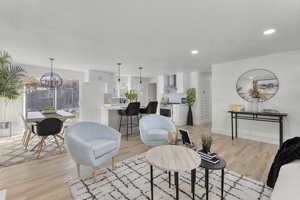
{"x": 155, "y": 34}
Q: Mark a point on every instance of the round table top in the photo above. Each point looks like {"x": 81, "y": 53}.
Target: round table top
{"x": 211, "y": 166}
{"x": 173, "y": 158}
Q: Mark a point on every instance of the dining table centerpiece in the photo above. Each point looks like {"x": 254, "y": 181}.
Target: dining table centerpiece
{"x": 48, "y": 110}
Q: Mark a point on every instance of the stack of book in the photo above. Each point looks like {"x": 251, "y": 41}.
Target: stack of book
{"x": 211, "y": 158}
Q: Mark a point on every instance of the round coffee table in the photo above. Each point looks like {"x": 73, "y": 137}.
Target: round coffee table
{"x": 175, "y": 159}
{"x": 210, "y": 166}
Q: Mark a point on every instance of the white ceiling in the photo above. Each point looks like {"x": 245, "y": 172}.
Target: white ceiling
{"x": 155, "y": 34}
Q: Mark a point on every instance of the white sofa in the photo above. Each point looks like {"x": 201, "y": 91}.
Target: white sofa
{"x": 288, "y": 182}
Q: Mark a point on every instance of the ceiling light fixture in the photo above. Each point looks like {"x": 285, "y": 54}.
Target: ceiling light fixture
{"x": 140, "y": 68}
{"x": 119, "y": 71}
{"x": 269, "y": 31}
{"x": 194, "y": 52}
{"x": 51, "y": 80}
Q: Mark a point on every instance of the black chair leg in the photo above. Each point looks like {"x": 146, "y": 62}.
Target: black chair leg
{"x": 131, "y": 125}
{"x": 138, "y": 124}
{"x": 127, "y": 127}
{"x": 120, "y": 124}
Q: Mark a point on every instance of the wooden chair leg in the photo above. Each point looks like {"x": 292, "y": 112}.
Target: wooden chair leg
{"x": 37, "y": 145}
{"x": 57, "y": 143}
{"x": 24, "y": 136}
{"x": 113, "y": 165}
{"x": 78, "y": 169}
{"x": 27, "y": 140}
{"x": 60, "y": 137}
{"x": 94, "y": 175}
{"x": 41, "y": 147}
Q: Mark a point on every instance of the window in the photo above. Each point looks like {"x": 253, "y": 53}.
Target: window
{"x": 64, "y": 98}
{"x": 39, "y": 98}
{"x": 68, "y": 95}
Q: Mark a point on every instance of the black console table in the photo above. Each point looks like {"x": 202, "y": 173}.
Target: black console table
{"x": 258, "y": 116}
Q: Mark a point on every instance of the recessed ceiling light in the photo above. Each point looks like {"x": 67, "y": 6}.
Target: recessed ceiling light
{"x": 269, "y": 31}
{"x": 194, "y": 52}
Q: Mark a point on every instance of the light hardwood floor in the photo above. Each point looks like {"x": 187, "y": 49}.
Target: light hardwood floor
{"x": 44, "y": 178}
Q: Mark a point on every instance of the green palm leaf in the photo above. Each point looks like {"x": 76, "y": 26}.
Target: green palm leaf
{"x": 4, "y": 58}
{"x": 11, "y": 76}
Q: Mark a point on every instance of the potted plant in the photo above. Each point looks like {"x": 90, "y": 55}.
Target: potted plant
{"x": 131, "y": 95}
{"x": 48, "y": 110}
{"x": 206, "y": 143}
{"x": 190, "y": 100}
{"x": 11, "y": 84}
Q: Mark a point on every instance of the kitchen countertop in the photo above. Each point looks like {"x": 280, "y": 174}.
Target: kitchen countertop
{"x": 115, "y": 107}
{"x": 169, "y": 105}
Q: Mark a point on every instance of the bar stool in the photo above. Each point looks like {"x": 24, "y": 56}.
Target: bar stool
{"x": 150, "y": 109}
{"x": 132, "y": 110}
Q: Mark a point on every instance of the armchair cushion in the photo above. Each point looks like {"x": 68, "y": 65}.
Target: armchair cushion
{"x": 91, "y": 143}
{"x": 156, "y": 134}
{"x": 154, "y": 129}
{"x": 101, "y": 147}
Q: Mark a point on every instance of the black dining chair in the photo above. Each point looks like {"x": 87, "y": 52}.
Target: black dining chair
{"x": 150, "y": 109}
{"x": 132, "y": 110}
{"x": 44, "y": 129}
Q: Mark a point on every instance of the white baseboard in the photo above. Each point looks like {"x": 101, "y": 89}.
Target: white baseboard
{"x": 258, "y": 136}
{"x": 2, "y": 194}
{"x": 204, "y": 121}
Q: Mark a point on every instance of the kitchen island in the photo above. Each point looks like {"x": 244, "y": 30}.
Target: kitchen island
{"x": 110, "y": 115}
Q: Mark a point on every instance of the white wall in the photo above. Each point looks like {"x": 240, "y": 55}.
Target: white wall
{"x": 38, "y": 71}
{"x": 91, "y": 101}
{"x": 107, "y": 79}
{"x": 204, "y": 97}
{"x": 224, "y": 76}
{"x": 202, "y": 107}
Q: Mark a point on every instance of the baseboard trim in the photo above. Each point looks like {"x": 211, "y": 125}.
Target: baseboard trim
{"x": 246, "y": 135}
{"x": 2, "y": 194}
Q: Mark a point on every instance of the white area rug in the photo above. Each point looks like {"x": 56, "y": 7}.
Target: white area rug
{"x": 12, "y": 150}
{"x": 130, "y": 180}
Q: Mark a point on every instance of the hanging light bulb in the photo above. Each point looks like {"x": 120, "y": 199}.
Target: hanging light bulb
{"x": 51, "y": 79}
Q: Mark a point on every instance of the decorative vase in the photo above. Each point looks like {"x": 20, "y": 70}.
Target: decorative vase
{"x": 172, "y": 138}
{"x": 190, "y": 117}
{"x": 206, "y": 149}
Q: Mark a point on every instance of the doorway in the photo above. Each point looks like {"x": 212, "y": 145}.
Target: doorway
{"x": 152, "y": 94}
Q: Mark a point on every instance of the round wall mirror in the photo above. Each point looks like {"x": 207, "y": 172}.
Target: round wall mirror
{"x": 257, "y": 85}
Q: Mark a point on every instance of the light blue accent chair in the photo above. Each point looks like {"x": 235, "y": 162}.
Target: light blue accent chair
{"x": 154, "y": 129}
{"x": 91, "y": 144}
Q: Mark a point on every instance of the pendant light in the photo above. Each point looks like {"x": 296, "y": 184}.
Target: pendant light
{"x": 51, "y": 80}
{"x": 140, "y": 68}
{"x": 119, "y": 71}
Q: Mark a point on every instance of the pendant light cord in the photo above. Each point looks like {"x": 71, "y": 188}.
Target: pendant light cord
{"x": 140, "y": 68}
{"x": 119, "y": 71}
{"x": 51, "y": 60}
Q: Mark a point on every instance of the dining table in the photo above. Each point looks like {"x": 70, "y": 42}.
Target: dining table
{"x": 37, "y": 116}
